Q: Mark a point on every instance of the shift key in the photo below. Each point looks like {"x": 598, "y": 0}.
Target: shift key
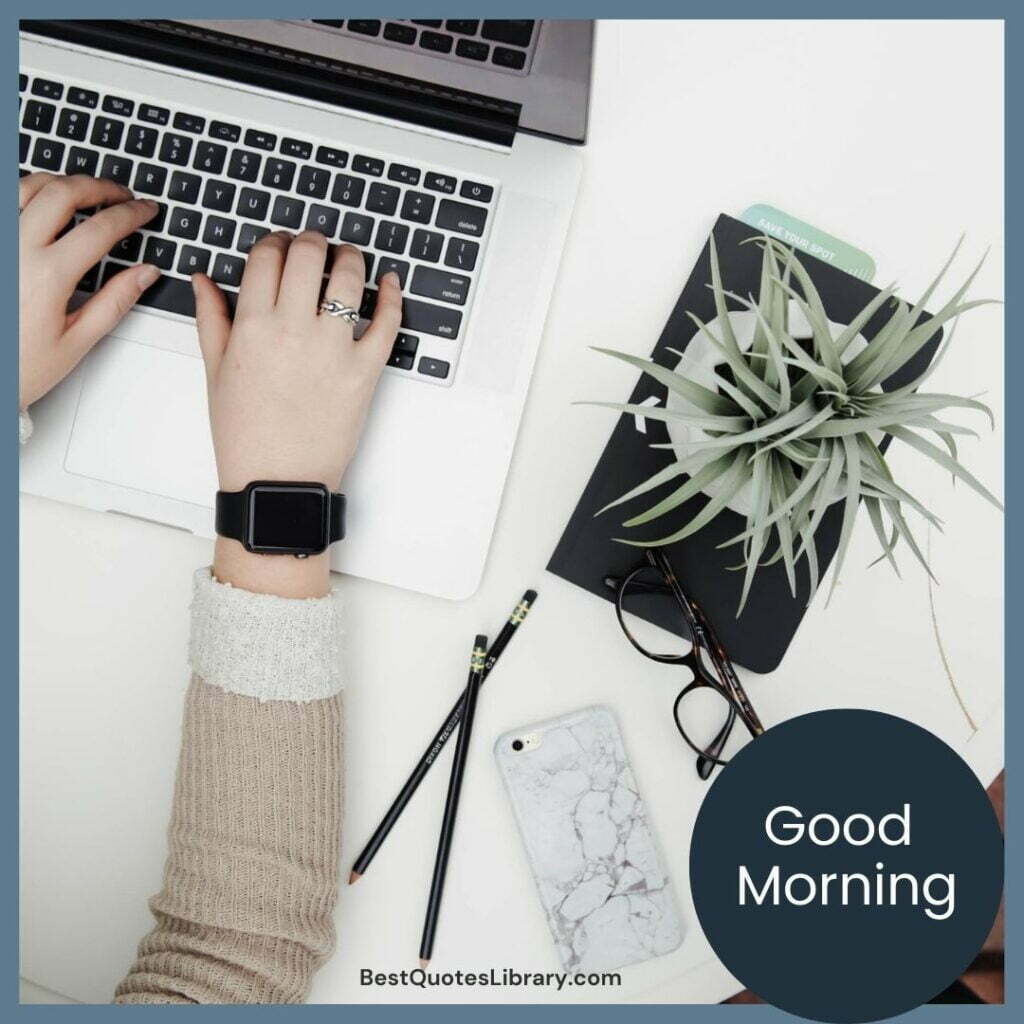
{"x": 418, "y": 317}
{"x": 440, "y": 284}
{"x": 462, "y": 217}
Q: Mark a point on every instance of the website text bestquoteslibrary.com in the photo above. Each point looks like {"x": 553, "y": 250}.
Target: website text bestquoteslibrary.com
{"x": 505, "y": 976}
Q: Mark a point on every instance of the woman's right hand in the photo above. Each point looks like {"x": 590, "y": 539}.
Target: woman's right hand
{"x": 52, "y": 341}
{"x": 288, "y": 386}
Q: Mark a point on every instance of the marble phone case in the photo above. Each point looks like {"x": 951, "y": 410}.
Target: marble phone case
{"x": 607, "y": 897}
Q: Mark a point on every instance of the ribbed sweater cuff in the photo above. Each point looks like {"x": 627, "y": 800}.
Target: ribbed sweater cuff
{"x": 263, "y": 646}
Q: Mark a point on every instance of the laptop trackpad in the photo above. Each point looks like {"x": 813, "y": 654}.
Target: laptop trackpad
{"x": 142, "y": 422}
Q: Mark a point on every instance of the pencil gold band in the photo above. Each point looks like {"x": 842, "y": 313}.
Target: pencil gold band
{"x": 519, "y": 613}
{"x": 476, "y": 663}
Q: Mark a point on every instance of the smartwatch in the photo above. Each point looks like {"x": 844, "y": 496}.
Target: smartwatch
{"x": 274, "y": 517}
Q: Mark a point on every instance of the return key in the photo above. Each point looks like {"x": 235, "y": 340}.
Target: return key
{"x": 440, "y": 284}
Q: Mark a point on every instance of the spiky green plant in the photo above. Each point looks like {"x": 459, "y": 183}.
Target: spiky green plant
{"x": 797, "y": 421}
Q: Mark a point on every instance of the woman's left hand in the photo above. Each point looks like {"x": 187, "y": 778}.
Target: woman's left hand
{"x": 53, "y": 341}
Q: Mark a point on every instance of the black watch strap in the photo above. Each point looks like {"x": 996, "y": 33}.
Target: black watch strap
{"x": 232, "y": 511}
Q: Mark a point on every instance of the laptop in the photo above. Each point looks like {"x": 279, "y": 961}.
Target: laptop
{"x": 447, "y": 150}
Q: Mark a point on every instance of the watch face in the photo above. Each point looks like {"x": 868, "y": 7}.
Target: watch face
{"x": 288, "y": 519}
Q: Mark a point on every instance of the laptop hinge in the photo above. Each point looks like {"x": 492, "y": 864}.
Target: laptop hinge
{"x": 310, "y": 76}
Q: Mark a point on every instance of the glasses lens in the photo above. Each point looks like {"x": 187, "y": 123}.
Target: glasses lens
{"x": 644, "y": 600}
{"x": 701, "y": 714}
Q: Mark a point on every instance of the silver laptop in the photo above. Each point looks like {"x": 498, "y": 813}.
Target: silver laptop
{"x": 446, "y": 150}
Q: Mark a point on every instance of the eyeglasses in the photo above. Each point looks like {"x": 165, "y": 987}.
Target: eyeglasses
{"x": 714, "y": 679}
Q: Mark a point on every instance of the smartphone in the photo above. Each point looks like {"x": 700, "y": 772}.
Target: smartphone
{"x": 595, "y": 862}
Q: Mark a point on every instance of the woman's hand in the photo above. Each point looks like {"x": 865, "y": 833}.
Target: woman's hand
{"x": 288, "y": 386}
{"x": 51, "y": 340}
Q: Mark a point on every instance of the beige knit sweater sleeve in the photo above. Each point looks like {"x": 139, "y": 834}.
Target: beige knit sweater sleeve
{"x": 251, "y": 880}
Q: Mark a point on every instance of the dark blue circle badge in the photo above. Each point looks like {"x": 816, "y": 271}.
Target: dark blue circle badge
{"x": 846, "y": 866}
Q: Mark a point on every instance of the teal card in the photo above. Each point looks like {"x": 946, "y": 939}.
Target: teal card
{"x": 805, "y": 238}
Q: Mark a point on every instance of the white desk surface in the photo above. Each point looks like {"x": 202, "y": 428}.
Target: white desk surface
{"x": 889, "y": 135}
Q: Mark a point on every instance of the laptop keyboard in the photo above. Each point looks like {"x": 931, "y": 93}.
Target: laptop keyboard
{"x": 221, "y": 186}
{"x": 499, "y": 45}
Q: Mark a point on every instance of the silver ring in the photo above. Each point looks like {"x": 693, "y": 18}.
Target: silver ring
{"x": 332, "y": 307}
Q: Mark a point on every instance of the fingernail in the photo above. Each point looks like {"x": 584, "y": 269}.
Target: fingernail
{"x": 147, "y": 275}
{"x": 392, "y": 278}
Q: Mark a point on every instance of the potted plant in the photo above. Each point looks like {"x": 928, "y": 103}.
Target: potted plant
{"x": 777, "y": 413}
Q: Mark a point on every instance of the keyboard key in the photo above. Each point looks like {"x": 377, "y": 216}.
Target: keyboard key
{"x": 406, "y": 343}
{"x": 407, "y": 175}
{"x": 73, "y": 124}
{"x": 333, "y": 23}
{"x": 175, "y": 149}
{"x": 426, "y": 245}
{"x": 117, "y": 168}
{"x": 436, "y": 42}
{"x": 434, "y": 367}
{"x": 157, "y": 222}
{"x": 227, "y": 269}
{"x": 154, "y": 115}
{"x": 244, "y": 166}
{"x": 463, "y": 27}
{"x": 184, "y": 187}
{"x": 314, "y": 182}
{"x": 347, "y": 190}
{"x": 23, "y": 144}
{"x": 439, "y": 182}
{"x": 141, "y": 140}
{"x": 461, "y": 254}
{"x": 260, "y": 140}
{"x": 400, "y": 33}
{"x": 249, "y": 235}
{"x": 506, "y": 58}
{"x": 278, "y": 173}
{"x": 461, "y": 217}
{"x": 417, "y": 206}
{"x": 38, "y": 116}
{"x": 210, "y": 157}
{"x": 170, "y": 294}
{"x": 82, "y": 161}
{"x": 364, "y": 27}
{"x": 107, "y": 132}
{"x": 387, "y": 264}
{"x": 401, "y": 360}
{"x": 160, "y": 252}
{"x": 22, "y": 82}
{"x": 218, "y": 195}
{"x": 128, "y": 249}
{"x": 382, "y": 198}
{"x": 150, "y": 179}
{"x": 184, "y": 223}
{"x": 472, "y": 49}
{"x": 193, "y": 260}
{"x": 219, "y": 231}
{"x": 224, "y": 131}
{"x": 356, "y": 228}
{"x": 474, "y": 190}
{"x": 428, "y": 22}
{"x": 440, "y": 284}
{"x": 323, "y": 219}
{"x": 83, "y": 97}
{"x": 89, "y": 279}
{"x": 368, "y": 165}
{"x": 516, "y": 33}
{"x": 331, "y": 157}
{"x": 48, "y": 155}
{"x": 296, "y": 148}
{"x": 50, "y": 90}
{"x": 116, "y": 105}
{"x": 368, "y": 259}
{"x": 190, "y": 123}
{"x": 287, "y": 212}
{"x": 253, "y": 203}
{"x": 391, "y": 237}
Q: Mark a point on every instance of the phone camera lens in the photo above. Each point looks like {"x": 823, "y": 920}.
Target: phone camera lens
{"x": 517, "y": 745}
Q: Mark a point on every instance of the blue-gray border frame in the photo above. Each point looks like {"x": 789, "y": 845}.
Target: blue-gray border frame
{"x": 1011, "y": 13}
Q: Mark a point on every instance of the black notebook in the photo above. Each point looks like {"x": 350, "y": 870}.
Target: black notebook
{"x": 587, "y": 553}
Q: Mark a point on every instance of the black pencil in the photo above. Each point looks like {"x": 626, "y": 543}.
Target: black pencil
{"x": 451, "y": 803}
{"x": 436, "y": 745}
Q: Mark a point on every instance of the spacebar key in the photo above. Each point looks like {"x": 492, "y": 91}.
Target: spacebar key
{"x": 421, "y": 317}
{"x": 173, "y": 295}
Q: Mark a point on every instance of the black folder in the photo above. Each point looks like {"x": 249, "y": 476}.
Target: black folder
{"x": 587, "y": 553}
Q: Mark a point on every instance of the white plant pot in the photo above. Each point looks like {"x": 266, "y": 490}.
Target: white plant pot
{"x": 699, "y": 362}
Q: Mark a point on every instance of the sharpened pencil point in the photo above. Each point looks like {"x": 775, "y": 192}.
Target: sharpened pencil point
{"x": 424, "y": 963}
{"x": 354, "y": 877}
